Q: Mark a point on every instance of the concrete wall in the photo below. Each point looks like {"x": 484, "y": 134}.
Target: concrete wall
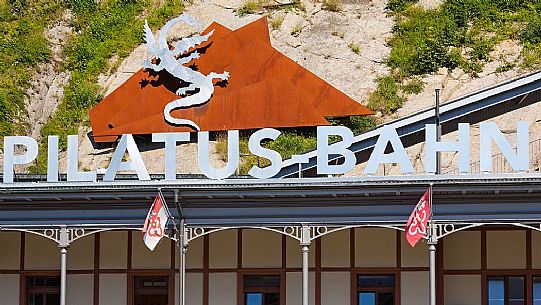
{"x": 143, "y": 258}
{"x": 223, "y": 289}
{"x": 462, "y": 251}
{"x": 80, "y": 289}
{"x": 9, "y": 289}
{"x": 11, "y": 250}
{"x": 335, "y": 249}
{"x": 375, "y": 247}
{"x": 113, "y": 289}
{"x": 223, "y": 249}
{"x": 294, "y": 254}
{"x": 462, "y": 290}
{"x": 506, "y": 249}
{"x": 81, "y": 254}
{"x": 335, "y": 287}
{"x": 414, "y": 288}
{"x": 536, "y": 250}
{"x": 112, "y": 245}
{"x": 294, "y": 288}
{"x": 41, "y": 253}
{"x": 261, "y": 249}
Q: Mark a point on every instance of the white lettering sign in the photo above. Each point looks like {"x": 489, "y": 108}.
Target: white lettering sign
{"x": 22, "y": 150}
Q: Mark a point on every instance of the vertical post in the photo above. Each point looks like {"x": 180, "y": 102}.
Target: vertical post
{"x": 438, "y": 131}
{"x": 63, "y": 245}
{"x": 432, "y": 251}
{"x": 305, "y": 248}
{"x": 432, "y": 241}
{"x": 182, "y": 248}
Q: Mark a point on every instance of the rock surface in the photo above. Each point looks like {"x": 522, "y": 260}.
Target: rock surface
{"x": 47, "y": 85}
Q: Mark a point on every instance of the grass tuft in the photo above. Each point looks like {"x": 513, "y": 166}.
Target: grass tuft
{"x": 332, "y": 5}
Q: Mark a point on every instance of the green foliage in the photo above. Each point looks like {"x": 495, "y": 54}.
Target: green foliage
{"x": 276, "y": 21}
{"x": 107, "y": 29}
{"x": 355, "y": 48}
{"x": 250, "y": 7}
{"x": 386, "y": 97}
{"x": 357, "y": 124}
{"x": 255, "y": 6}
{"x": 532, "y": 33}
{"x": 287, "y": 144}
{"x": 459, "y": 33}
{"x": 22, "y": 47}
{"x": 396, "y": 6}
{"x": 413, "y": 86}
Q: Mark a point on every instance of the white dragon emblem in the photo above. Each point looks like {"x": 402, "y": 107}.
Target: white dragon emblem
{"x": 173, "y": 62}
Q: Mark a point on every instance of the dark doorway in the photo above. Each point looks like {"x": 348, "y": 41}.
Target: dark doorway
{"x": 151, "y": 290}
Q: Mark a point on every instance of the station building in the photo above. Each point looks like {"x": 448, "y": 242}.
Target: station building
{"x": 286, "y": 241}
{"x": 244, "y": 242}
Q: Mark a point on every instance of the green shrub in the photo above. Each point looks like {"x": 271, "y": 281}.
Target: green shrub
{"x": 532, "y": 33}
{"x": 386, "y": 98}
{"x": 357, "y": 124}
{"x": 413, "y": 86}
{"x": 422, "y": 42}
{"x": 397, "y": 6}
{"x": 250, "y": 7}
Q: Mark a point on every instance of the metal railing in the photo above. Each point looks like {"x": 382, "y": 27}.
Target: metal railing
{"x": 500, "y": 164}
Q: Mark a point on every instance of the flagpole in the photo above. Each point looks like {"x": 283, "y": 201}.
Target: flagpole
{"x": 181, "y": 249}
{"x": 432, "y": 241}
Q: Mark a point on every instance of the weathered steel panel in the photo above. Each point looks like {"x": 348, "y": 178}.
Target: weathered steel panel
{"x": 265, "y": 89}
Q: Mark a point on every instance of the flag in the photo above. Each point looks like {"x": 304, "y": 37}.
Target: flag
{"x": 155, "y": 223}
{"x": 418, "y": 221}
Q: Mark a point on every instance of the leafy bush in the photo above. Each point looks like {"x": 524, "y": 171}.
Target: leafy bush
{"x": 386, "y": 98}
{"x": 413, "y": 86}
{"x": 421, "y": 42}
{"x": 397, "y": 6}
{"x": 532, "y": 33}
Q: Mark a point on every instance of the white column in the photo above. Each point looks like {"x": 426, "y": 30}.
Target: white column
{"x": 183, "y": 247}
{"x": 63, "y": 244}
{"x": 305, "y": 248}
{"x": 432, "y": 242}
{"x": 432, "y": 280}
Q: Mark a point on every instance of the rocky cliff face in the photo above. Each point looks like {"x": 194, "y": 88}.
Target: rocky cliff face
{"x": 346, "y": 48}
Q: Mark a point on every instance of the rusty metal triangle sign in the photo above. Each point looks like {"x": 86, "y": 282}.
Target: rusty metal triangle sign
{"x": 265, "y": 88}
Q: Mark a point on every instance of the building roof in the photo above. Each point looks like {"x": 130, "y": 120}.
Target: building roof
{"x": 242, "y": 202}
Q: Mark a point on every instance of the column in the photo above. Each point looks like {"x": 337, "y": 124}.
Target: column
{"x": 63, "y": 244}
{"x": 432, "y": 242}
{"x": 305, "y": 248}
{"x": 183, "y": 248}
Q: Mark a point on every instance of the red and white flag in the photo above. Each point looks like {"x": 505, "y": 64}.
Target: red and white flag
{"x": 155, "y": 223}
{"x": 417, "y": 226}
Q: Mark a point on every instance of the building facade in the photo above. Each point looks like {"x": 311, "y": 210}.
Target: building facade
{"x": 244, "y": 242}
